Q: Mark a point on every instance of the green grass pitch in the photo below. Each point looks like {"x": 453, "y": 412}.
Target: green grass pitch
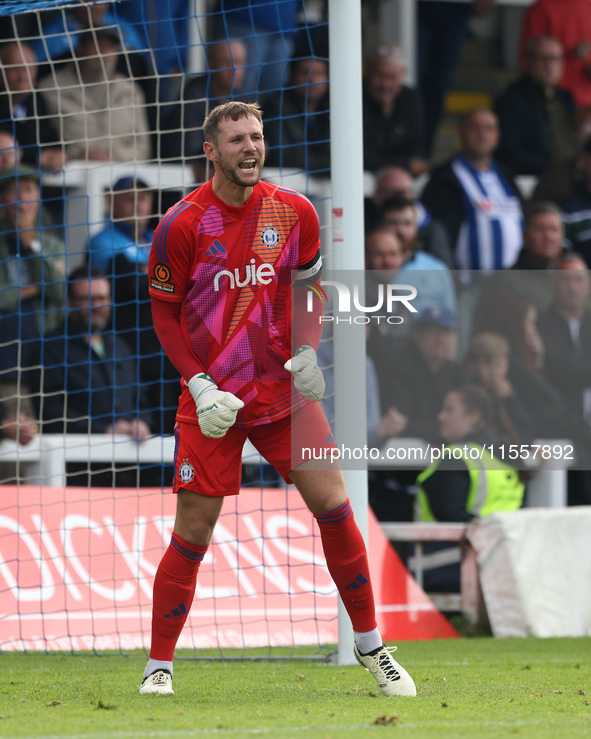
{"x": 466, "y": 688}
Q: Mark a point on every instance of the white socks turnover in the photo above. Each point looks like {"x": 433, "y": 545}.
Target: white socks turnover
{"x": 367, "y": 641}
{"x": 157, "y": 664}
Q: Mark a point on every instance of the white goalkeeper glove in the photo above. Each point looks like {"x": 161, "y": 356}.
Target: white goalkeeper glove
{"x": 216, "y": 410}
{"x": 307, "y": 375}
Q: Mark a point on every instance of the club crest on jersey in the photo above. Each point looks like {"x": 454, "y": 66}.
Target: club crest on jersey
{"x": 186, "y": 471}
{"x": 270, "y": 236}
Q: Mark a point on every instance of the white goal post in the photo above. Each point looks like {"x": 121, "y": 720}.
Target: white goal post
{"x": 347, "y": 253}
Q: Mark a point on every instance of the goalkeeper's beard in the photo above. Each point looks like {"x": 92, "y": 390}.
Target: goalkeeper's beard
{"x": 232, "y": 173}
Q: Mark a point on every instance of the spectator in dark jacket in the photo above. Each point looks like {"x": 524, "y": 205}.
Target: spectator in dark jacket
{"x": 297, "y": 119}
{"x": 181, "y": 138}
{"x": 576, "y": 209}
{"x": 393, "y": 120}
{"x": 558, "y": 183}
{"x": 90, "y": 377}
{"x": 569, "y": 21}
{"x": 32, "y": 286}
{"x": 530, "y": 276}
{"x": 23, "y": 112}
{"x": 515, "y": 317}
{"x": 543, "y": 238}
{"x": 415, "y": 373}
{"x": 565, "y": 328}
{"x": 535, "y": 115}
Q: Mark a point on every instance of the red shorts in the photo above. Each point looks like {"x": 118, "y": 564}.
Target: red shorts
{"x": 214, "y": 466}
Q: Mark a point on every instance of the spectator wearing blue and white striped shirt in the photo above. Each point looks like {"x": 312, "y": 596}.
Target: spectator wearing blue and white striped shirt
{"x": 476, "y": 200}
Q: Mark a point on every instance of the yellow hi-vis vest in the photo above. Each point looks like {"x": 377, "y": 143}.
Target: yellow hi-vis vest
{"x": 494, "y": 485}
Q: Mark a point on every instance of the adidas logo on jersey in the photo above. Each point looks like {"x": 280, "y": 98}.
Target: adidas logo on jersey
{"x": 263, "y": 275}
{"x": 216, "y": 249}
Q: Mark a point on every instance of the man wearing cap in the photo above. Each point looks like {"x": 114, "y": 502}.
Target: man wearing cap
{"x": 101, "y": 114}
{"x": 126, "y": 231}
{"x": 122, "y": 250}
{"x": 32, "y": 282}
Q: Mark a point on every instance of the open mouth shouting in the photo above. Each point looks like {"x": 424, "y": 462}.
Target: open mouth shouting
{"x": 247, "y": 166}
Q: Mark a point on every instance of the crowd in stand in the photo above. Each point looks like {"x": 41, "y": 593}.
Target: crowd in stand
{"x": 503, "y": 284}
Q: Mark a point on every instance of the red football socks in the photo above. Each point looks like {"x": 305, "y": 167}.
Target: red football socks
{"x": 346, "y": 558}
{"x": 174, "y": 589}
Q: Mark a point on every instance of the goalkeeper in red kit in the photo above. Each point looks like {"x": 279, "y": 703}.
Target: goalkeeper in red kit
{"x": 223, "y": 291}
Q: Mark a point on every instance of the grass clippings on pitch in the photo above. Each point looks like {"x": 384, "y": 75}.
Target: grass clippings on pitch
{"x": 524, "y": 688}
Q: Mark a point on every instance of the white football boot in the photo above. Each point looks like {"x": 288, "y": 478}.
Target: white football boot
{"x": 158, "y": 683}
{"x": 391, "y": 678}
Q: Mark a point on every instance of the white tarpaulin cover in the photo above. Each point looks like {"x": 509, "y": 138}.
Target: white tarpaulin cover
{"x": 535, "y": 571}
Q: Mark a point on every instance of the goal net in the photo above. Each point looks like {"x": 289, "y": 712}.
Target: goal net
{"x": 100, "y": 131}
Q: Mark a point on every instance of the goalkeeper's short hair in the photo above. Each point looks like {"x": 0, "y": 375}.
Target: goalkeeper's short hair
{"x": 233, "y": 109}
